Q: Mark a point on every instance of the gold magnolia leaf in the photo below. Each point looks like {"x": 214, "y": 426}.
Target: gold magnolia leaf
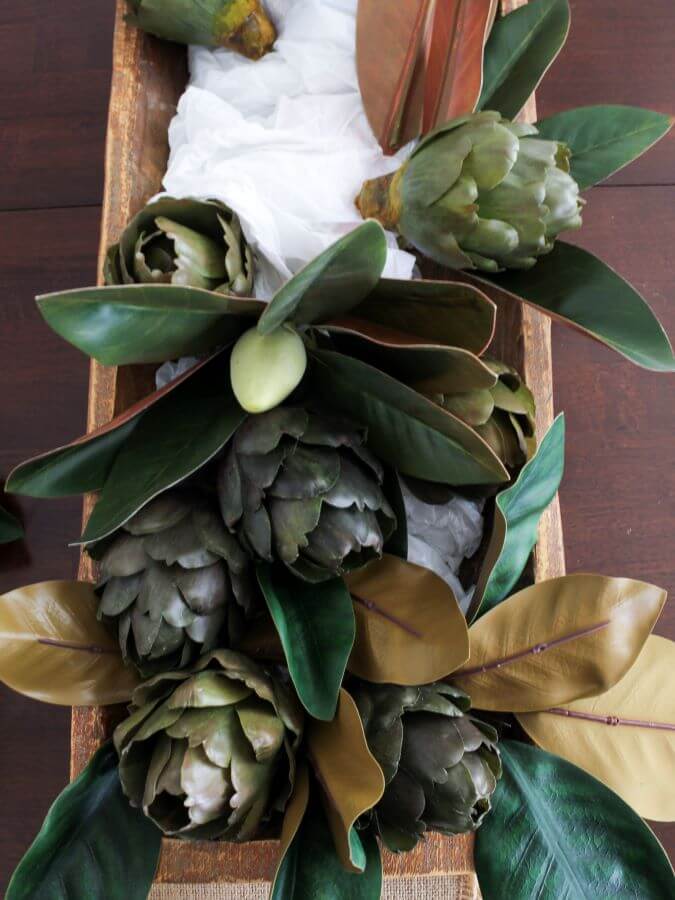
{"x": 558, "y": 641}
{"x": 293, "y": 816}
{"x": 626, "y": 736}
{"x": 296, "y": 809}
{"x": 53, "y": 648}
{"x": 409, "y": 627}
{"x": 351, "y": 779}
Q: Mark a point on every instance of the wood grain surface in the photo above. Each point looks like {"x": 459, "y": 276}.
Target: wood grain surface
{"x": 617, "y": 497}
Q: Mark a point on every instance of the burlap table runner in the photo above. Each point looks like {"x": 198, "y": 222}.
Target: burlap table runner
{"x": 421, "y": 887}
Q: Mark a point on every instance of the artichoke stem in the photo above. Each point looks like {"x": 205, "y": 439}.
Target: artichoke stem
{"x": 244, "y": 26}
{"x": 380, "y": 199}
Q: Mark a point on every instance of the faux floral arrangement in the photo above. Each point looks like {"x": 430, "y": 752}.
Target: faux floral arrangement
{"x": 288, "y": 672}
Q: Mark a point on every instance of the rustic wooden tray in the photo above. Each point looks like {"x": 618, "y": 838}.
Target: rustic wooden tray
{"x": 148, "y": 77}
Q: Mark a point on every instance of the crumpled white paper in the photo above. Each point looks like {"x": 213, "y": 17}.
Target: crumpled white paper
{"x": 285, "y": 142}
{"x": 441, "y": 536}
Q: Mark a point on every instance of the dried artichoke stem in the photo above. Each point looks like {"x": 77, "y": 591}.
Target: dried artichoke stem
{"x": 244, "y": 26}
{"x": 380, "y": 199}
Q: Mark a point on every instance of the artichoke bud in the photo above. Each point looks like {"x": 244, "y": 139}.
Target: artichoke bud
{"x": 266, "y": 368}
{"x": 175, "y": 583}
{"x": 240, "y": 25}
{"x": 209, "y": 754}
{"x": 480, "y": 192}
{"x": 441, "y": 765}
{"x": 304, "y": 489}
{"x": 503, "y": 415}
{"x": 194, "y": 243}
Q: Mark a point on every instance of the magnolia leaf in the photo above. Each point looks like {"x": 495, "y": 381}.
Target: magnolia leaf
{"x": 555, "y": 832}
{"x": 518, "y": 510}
{"x": 604, "y": 139}
{"x": 409, "y": 627}
{"x": 311, "y": 868}
{"x": 333, "y": 283}
{"x": 316, "y": 627}
{"x": 10, "y": 527}
{"x": 84, "y": 464}
{"x": 431, "y": 368}
{"x": 558, "y": 641}
{"x": 397, "y": 543}
{"x": 405, "y": 429}
{"x": 347, "y": 771}
{"x": 567, "y": 283}
{"x": 519, "y": 52}
{"x": 626, "y": 736}
{"x": 143, "y": 323}
{"x": 392, "y": 81}
{"x": 172, "y": 441}
{"x": 454, "y": 75}
{"x": 294, "y": 813}
{"x": 93, "y": 845}
{"x": 54, "y": 648}
{"x": 76, "y": 468}
{"x": 449, "y": 313}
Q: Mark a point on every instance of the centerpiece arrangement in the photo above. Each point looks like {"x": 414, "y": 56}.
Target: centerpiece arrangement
{"x": 288, "y": 670}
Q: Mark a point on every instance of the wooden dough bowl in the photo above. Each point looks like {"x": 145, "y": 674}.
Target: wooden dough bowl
{"x": 148, "y": 78}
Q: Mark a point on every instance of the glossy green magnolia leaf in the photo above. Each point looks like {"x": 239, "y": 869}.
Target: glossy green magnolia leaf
{"x": 351, "y": 779}
{"x": 450, "y": 313}
{"x": 431, "y": 368}
{"x": 144, "y": 323}
{"x": 518, "y": 510}
{"x": 311, "y": 869}
{"x": 172, "y": 440}
{"x": 75, "y": 468}
{"x": 555, "y": 832}
{"x": 93, "y": 845}
{"x": 84, "y": 464}
{"x": 333, "y": 283}
{"x": 405, "y": 429}
{"x": 571, "y": 285}
{"x": 604, "y": 139}
{"x": 519, "y": 51}
{"x": 53, "y": 648}
{"x": 316, "y": 626}
{"x": 397, "y": 545}
{"x": 10, "y": 527}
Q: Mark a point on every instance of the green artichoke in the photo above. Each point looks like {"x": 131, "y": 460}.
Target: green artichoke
{"x": 174, "y": 582}
{"x": 440, "y": 765}
{"x": 503, "y": 415}
{"x": 188, "y": 242}
{"x": 241, "y": 25}
{"x": 210, "y": 754}
{"x": 305, "y": 489}
{"x": 479, "y": 193}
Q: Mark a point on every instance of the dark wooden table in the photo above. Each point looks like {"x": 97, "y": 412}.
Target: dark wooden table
{"x": 618, "y": 496}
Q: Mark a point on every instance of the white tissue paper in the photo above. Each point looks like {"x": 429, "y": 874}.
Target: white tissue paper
{"x": 285, "y": 142}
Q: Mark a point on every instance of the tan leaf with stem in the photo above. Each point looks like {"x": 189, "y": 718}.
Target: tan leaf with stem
{"x": 351, "y": 779}
{"x": 624, "y": 737}
{"x": 558, "y": 641}
{"x": 409, "y": 627}
{"x": 54, "y": 649}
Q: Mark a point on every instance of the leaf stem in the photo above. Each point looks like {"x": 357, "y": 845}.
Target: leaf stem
{"x": 533, "y": 651}
{"x": 373, "y": 607}
{"x": 614, "y": 721}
